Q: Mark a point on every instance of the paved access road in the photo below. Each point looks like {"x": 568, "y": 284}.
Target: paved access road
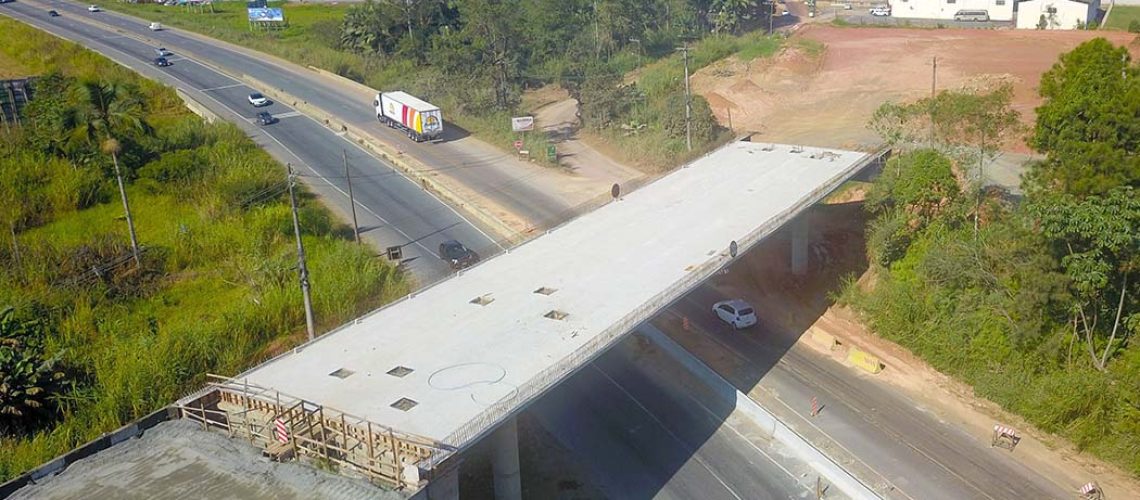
{"x": 642, "y": 427}
{"x": 902, "y": 451}
{"x": 478, "y": 167}
{"x": 392, "y": 209}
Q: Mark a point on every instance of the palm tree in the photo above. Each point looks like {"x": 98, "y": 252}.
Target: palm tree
{"x": 99, "y": 112}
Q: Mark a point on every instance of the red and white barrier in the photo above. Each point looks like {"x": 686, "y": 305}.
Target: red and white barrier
{"x": 280, "y": 431}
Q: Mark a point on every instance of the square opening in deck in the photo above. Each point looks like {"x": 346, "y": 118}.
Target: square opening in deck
{"x": 342, "y": 373}
{"x": 556, "y": 314}
{"x": 400, "y": 371}
{"x": 483, "y": 299}
{"x": 404, "y": 404}
{"x": 546, "y": 290}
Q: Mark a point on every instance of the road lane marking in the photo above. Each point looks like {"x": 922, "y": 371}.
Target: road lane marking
{"x": 675, "y": 437}
{"x": 223, "y": 87}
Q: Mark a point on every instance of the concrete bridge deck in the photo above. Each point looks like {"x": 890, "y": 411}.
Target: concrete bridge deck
{"x": 452, "y": 361}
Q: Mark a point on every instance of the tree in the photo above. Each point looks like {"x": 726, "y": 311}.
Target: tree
{"x": 920, "y": 183}
{"x": 1087, "y": 125}
{"x": 1098, "y": 241}
{"x": 99, "y": 113}
{"x": 728, "y": 15}
{"x": 28, "y": 381}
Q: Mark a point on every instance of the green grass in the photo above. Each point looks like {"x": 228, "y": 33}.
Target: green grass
{"x": 217, "y": 291}
{"x": 1122, "y": 16}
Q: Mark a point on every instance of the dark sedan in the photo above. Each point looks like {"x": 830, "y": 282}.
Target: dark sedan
{"x": 161, "y": 62}
{"x": 457, "y": 255}
{"x": 264, "y": 118}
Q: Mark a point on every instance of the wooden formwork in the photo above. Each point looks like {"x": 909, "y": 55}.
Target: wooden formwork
{"x": 251, "y": 412}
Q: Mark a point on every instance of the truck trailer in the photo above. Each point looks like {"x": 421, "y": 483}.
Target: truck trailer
{"x": 420, "y": 120}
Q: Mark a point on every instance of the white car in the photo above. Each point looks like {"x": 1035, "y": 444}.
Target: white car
{"x": 162, "y": 52}
{"x": 155, "y": 26}
{"x": 258, "y": 100}
{"x": 882, "y": 10}
{"x": 735, "y": 312}
{"x": 92, "y": 8}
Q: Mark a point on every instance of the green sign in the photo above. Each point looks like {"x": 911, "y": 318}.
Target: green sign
{"x": 551, "y": 152}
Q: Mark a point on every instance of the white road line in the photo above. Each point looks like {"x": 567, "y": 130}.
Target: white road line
{"x": 662, "y": 424}
{"x": 223, "y": 87}
{"x": 289, "y": 114}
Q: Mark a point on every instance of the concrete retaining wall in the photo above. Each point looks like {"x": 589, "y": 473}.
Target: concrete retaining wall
{"x": 828, "y": 469}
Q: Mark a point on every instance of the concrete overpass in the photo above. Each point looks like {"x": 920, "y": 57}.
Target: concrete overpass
{"x": 455, "y": 362}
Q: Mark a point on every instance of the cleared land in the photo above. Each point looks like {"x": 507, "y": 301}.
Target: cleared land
{"x": 824, "y": 96}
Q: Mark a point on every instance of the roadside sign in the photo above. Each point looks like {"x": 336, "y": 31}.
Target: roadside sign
{"x": 518, "y": 145}
{"x": 551, "y": 152}
{"x": 522, "y": 123}
{"x": 395, "y": 253}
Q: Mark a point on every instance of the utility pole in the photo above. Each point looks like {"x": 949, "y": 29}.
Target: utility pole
{"x": 597, "y": 38}
{"x": 688, "y": 101}
{"x": 301, "y": 258}
{"x": 771, "y": 14}
{"x": 351, "y": 199}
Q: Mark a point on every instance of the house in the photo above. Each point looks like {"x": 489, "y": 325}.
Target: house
{"x": 1057, "y": 14}
{"x": 999, "y": 10}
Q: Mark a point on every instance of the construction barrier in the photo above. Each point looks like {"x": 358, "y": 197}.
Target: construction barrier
{"x": 1091, "y": 491}
{"x": 1004, "y": 437}
{"x": 867, "y": 362}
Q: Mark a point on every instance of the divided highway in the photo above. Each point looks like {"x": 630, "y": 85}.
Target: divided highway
{"x": 392, "y": 209}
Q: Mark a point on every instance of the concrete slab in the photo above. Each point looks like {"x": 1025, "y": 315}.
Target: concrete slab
{"x": 607, "y": 271}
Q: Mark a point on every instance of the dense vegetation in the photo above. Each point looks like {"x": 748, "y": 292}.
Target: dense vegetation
{"x": 474, "y": 58}
{"x": 90, "y": 338}
{"x": 1035, "y": 301}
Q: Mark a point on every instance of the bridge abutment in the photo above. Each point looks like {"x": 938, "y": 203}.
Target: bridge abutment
{"x": 505, "y": 461}
{"x": 444, "y": 485}
{"x": 799, "y": 245}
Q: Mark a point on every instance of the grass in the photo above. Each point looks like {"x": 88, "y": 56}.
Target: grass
{"x": 217, "y": 291}
{"x": 1122, "y": 16}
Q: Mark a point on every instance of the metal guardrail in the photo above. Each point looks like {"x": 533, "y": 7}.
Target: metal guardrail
{"x": 495, "y": 413}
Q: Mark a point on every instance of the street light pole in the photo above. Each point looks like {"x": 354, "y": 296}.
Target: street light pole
{"x": 688, "y": 101}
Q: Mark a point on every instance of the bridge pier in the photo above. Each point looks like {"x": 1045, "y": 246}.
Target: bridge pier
{"x": 444, "y": 485}
{"x": 800, "y": 245}
{"x": 505, "y": 461}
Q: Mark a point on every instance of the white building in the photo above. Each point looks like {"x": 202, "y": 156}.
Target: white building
{"x": 1056, "y": 14}
{"x": 999, "y": 10}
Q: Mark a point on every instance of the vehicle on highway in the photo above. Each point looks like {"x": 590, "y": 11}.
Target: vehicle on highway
{"x": 52, "y": 13}
{"x": 735, "y": 312}
{"x": 162, "y": 52}
{"x": 93, "y": 8}
{"x": 161, "y": 62}
{"x": 258, "y": 100}
{"x": 264, "y": 118}
{"x": 155, "y": 26}
{"x": 420, "y": 120}
{"x": 972, "y": 15}
{"x": 457, "y": 255}
{"x": 881, "y": 10}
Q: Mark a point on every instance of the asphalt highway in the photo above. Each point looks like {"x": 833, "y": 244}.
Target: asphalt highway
{"x": 482, "y": 170}
{"x": 644, "y": 428}
{"x": 900, "y": 448}
{"x": 392, "y": 209}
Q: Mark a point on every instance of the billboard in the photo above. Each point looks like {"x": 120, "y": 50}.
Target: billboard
{"x": 266, "y": 15}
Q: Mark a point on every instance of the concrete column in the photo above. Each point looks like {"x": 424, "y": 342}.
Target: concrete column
{"x": 800, "y": 245}
{"x": 444, "y": 484}
{"x": 505, "y": 462}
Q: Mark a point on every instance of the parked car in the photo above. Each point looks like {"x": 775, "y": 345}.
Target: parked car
{"x": 155, "y": 26}
{"x": 264, "y": 118}
{"x": 161, "y": 62}
{"x": 457, "y": 255}
{"x": 52, "y": 13}
{"x": 735, "y": 312}
{"x": 258, "y": 100}
{"x": 162, "y": 52}
{"x": 881, "y": 10}
{"x": 93, "y": 8}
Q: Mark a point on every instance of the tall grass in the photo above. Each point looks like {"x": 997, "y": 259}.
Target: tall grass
{"x": 217, "y": 290}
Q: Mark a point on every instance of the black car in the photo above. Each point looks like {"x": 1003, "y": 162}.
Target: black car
{"x": 457, "y": 255}
{"x": 264, "y": 118}
{"x": 52, "y": 13}
{"x": 161, "y": 62}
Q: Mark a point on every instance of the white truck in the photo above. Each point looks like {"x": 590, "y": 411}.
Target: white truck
{"x": 420, "y": 120}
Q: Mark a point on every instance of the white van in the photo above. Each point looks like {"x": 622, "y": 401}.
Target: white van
{"x": 881, "y": 10}
{"x": 972, "y": 15}
{"x": 155, "y": 26}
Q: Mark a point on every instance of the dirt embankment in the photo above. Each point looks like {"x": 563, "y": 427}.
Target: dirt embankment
{"x": 826, "y": 98}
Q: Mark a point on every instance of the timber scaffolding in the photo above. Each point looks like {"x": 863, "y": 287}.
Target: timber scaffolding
{"x": 285, "y": 426}
{"x": 14, "y": 95}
